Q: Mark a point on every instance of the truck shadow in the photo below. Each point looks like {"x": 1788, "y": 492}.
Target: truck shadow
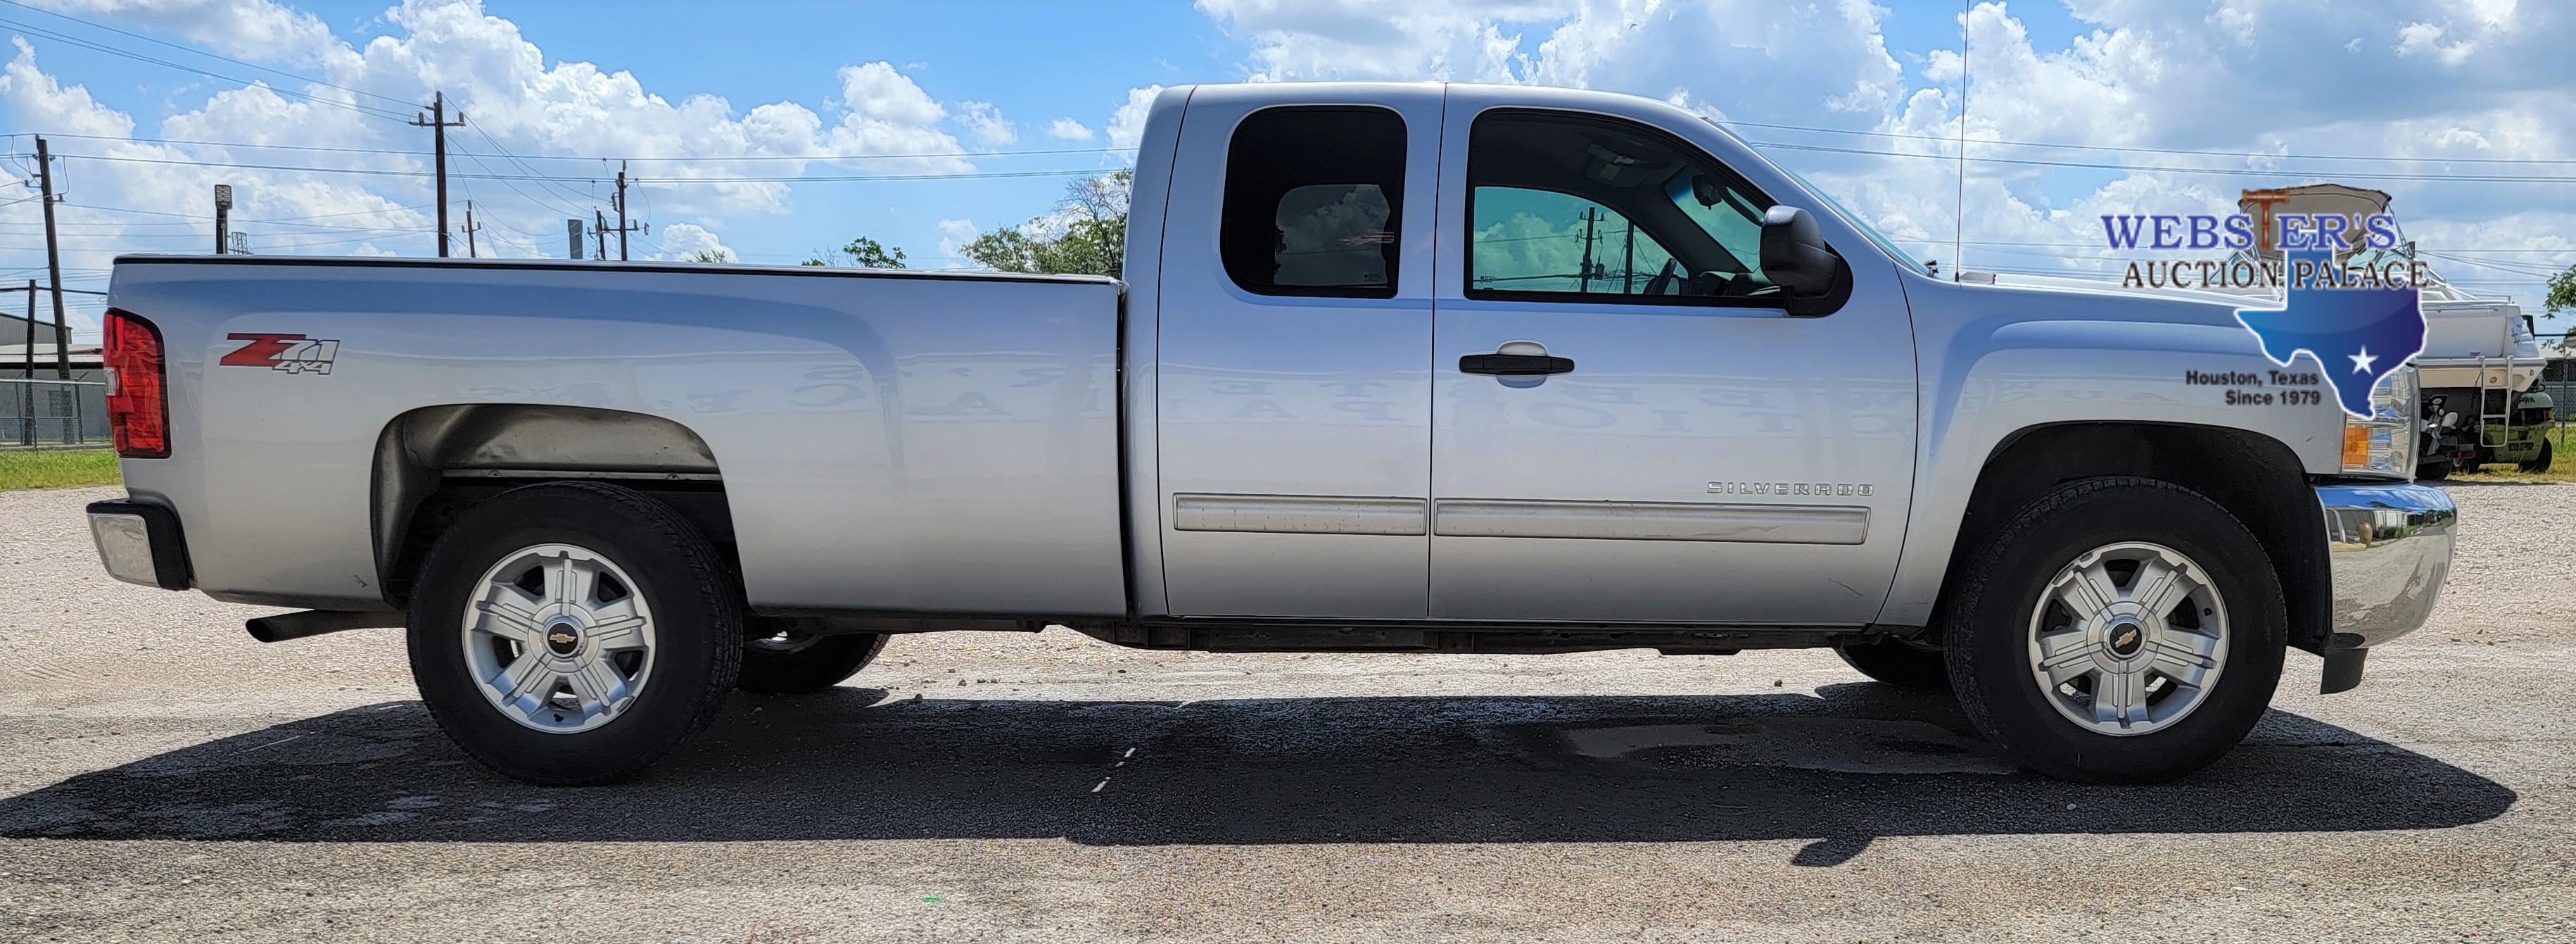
{"x": 1841, "y": 766}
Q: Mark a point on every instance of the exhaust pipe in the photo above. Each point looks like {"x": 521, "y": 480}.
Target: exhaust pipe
{"x": 285, "y": 626}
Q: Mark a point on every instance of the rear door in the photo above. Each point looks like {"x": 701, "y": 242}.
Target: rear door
{"x": 1293, "y": 396}
{"x": 1627, "y": 424}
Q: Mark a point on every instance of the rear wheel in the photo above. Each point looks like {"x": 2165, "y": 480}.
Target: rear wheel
{"x": 2117, "y": 630}
{"x": 788, "y": 661}
{"x": 2539, "y": 463}
{"x": 573, "y": 633}
{"x": 1896, "y": 663}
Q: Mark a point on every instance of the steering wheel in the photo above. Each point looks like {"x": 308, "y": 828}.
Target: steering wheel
{"x": 1662, "y": 283}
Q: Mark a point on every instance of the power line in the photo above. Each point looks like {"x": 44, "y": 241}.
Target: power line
{"x": 523, "y": 165}
{"x": 849, "y": 178}
{"x": 826, "y": 178}
{"x": 121, "y": 230}
{"x": 367, "y": 171}
{"x": 189, "y": 49}
{"x": 704, "y": 158}
{"x": 246, "y": 83}
{"x": 2511, "y": 268}
{"x": 2223, "y": 171}
{"x": 2149, "y": 150}
{"x": 918, "y": 155}
{"x": 282, "y": 219}
{"x": 514, "y": 188}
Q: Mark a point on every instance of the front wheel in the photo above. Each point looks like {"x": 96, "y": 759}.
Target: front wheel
{"x": 571, "y": 634}
{"x": 2117, "y": 630}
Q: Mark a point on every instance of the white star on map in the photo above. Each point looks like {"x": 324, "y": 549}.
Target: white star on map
{"x": 2361, "y": 362}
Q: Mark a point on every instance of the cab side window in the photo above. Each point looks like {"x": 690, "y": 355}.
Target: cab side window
{"x": 1544, "y": 241}
{"x": 1314, "y": 200}
{"x": 1565, "y": 206}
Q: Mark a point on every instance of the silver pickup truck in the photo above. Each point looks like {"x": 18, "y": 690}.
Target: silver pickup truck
{"x": 1394, "y": 368}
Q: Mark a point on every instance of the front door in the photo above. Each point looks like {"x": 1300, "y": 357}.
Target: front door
{"x": 1293, "y": 403}
{"x": 1627, "y": 424}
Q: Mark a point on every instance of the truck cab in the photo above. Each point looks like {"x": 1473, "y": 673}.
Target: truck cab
{"x": 1505, "y": 354}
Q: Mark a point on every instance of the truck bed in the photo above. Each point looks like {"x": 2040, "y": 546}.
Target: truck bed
{"x": 888, "y": 442}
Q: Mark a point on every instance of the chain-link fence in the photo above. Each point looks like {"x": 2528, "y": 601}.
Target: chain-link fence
{"x": 52, "y": 413}
{"x": 2558, "y": 380}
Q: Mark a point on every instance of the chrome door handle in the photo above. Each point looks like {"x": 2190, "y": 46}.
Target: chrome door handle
{"x": 1516, "y": 359}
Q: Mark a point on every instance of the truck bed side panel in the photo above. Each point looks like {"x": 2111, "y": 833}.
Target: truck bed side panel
{"x": 887, "y": 444}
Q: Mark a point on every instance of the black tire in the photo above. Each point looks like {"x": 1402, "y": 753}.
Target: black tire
{"x": 795, "y": 665}
{"x": 2540, "y": 463}
{"x": 1898, "y": 664}
{"x": 697, "y": 621}
{"x": 2434, "y": 471}
{"x": 1988, "y": 615}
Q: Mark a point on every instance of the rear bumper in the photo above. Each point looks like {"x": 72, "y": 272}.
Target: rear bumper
{"x": 2389, "y": 547}
{"x": 140, "y": 543}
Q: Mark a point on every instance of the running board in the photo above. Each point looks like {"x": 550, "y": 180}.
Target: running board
{"x": 297, "y": 625}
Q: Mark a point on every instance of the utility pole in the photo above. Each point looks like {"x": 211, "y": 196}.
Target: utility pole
{"x": 621, "y": 211}
{"x": 438, "y": 124}
{"x": 1628, "y": 263}
{"x": 27, "y": 391}
{"x": 618, "y": 202}
{"x": 29, "y": 352}
{"x": 599, "y": 232}
{"x": 1589, "y": 215}
{"x": 469, "y": 230}
{"x": 54, "y": 264}
{"x": 223, "y": 217}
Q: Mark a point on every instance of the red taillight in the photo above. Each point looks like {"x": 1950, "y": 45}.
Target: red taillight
{"x": 138, "y": 404}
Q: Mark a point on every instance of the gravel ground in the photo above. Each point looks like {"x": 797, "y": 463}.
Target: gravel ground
{"x": 163, "y": 777}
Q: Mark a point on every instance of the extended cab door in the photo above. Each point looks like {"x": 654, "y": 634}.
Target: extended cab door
{"x": 1628, "y": 426}
{"x": 1293, "y": 397}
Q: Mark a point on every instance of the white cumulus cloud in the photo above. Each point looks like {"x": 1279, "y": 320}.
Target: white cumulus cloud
{"x": 985, "y": 124}
{"x": 1067, "y": 129}
{"x": 1127, "y": 124}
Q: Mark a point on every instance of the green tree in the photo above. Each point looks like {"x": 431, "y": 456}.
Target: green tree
{"x": 2562, "y": 292}
{"x": 1086, "y": 234}
{"x": 2561, "y": 297}
{"x": 711, "y": 255}
{"x": 862, "y": 252}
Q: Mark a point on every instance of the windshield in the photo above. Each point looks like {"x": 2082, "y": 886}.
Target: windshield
{"x": 1867, "y": 231}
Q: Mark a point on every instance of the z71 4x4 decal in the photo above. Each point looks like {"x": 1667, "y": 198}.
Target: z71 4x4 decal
{"x": 292, "y": 353}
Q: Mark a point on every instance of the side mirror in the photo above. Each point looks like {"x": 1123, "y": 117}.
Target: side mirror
{"x": 1795, "y": 258}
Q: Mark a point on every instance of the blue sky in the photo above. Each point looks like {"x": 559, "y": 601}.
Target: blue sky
{"x": 2479, "y": 82}
{"x": 1037, "y": 60}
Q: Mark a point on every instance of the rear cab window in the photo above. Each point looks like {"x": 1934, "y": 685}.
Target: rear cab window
{"x": 1314, "y": 200}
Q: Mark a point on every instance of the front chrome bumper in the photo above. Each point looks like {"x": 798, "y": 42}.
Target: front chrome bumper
{"x": 2389, "y": 546}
